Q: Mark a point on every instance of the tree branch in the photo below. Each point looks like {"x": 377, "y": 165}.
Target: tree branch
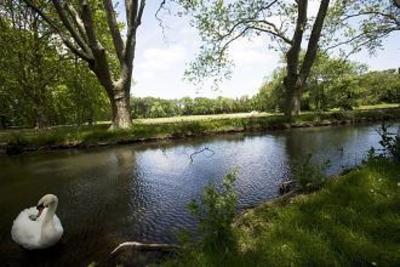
{"x": 376, "y": 13}
{"x": 275, "y": 32}
{"x": 138, "y": 20}
{"x": 312, "y": 48}
{"x": 113, "y": 25}
{"x": 87, "y": 19}
{"x": 77, "y": 20}
{"x": 82, "y": 54}
{"x": 135, "y": 17}
{"x": 358, "y": 36}
{"x": 292, "y": 56}
{"x": 201, "y": 151}
{"x": 69, "y": 26}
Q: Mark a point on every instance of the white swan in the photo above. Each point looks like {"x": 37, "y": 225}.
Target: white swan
{"x": 38, "y": 227}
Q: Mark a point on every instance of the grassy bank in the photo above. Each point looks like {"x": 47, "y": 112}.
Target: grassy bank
{"x": 16, "y": 141}
{"x": 353, "y": 221}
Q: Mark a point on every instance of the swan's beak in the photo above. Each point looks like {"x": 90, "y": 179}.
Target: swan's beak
{"x": 40, "y": 208}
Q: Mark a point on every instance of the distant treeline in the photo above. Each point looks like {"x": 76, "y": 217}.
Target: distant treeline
{"x": 339, "y": 90}
{"x": 151, "y": 107}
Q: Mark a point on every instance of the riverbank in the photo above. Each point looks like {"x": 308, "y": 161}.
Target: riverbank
{"x": 65, "y": 137}
{"x": 353, "y": 221}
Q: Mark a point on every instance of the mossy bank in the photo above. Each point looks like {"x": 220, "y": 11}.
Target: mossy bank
{"x": 64, "y": 137}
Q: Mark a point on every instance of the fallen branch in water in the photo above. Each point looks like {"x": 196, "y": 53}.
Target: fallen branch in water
{"x": 142, "y": 246}
{"x": 201, "y": 151}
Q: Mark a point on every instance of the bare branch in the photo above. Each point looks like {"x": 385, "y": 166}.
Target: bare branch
{"x": 201, "y": 151}
{"x": 152, "y": 246}
{"x": 162, "y": 4}
{"x": 160, "y": 21}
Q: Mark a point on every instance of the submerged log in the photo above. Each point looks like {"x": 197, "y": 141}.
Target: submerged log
{"x": 142, "y": 246}
{"x": 286, "y": 187}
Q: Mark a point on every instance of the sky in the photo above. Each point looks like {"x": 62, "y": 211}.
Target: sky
{"x": 161, "y": 59}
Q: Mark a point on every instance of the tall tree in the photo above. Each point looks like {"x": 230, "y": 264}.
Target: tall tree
{"x": 75, "y": 24}
{"x": 285, "y": 22}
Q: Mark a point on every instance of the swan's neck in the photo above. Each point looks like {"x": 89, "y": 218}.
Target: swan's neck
{"x": 48, "y": 218}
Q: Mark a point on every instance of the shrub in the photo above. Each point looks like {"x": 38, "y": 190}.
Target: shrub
{"x": 390, "y": 141}
{"x": 215, "y": 212}
{"x": 309, "y": 177}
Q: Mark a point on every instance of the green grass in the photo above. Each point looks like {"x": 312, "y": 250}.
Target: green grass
{"x": 353, "y": 221}
{"x": 177, "y": 127}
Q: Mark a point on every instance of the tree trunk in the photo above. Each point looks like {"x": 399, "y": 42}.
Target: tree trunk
{"x": 294, "y": 105}
{"x": 296, "y": 77}
{"x": 293, "y": 90}
{"x": 121, "y": 117}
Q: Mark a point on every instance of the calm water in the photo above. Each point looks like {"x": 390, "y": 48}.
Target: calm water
{"x": 140, "y": 192}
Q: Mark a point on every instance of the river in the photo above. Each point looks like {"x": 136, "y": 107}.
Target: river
{"x": 140, "y": 191}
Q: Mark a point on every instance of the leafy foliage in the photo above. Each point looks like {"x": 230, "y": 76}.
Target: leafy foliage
{"x": 40, "y": 83}
{"x": 216, "y": 211}
{"x": 309, "y": 176}
{"x": 361, "y": 24}
{"x": 390, "y": 141}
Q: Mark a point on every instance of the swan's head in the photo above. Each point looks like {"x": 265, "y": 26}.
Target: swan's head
{"x": 46, "y": 201}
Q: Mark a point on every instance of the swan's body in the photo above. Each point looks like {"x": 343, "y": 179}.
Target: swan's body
{"x": 36, "y": 231}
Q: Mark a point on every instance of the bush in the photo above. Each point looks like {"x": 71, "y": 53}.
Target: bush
{"x": 390, "y": 141}
{"x": 215, "y": 212}
{"x": 310, "y": 177}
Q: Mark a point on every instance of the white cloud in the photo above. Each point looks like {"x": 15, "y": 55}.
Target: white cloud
{"x": 161, "y": 59}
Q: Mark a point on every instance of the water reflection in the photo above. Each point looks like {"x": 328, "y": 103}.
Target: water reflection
{"x": 140, "y": 191}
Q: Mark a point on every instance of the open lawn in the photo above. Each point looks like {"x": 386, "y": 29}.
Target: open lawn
{"x": 353, "y": 221}
{"x": 243, "y": 115}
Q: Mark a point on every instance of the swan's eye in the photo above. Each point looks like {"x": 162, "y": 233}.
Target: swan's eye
{"x": 40, "y": 206}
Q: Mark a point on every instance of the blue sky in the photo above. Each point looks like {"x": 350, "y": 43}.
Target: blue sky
{"x": 161, "y": 59}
